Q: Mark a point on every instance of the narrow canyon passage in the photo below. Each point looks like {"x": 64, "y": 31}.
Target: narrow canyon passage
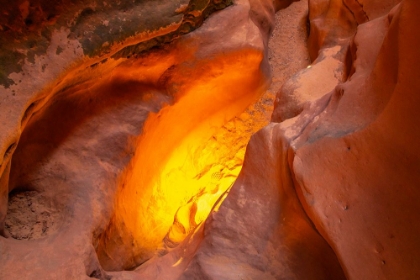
{"x": 187, "y": 167}
{"x": 232, "y": 139}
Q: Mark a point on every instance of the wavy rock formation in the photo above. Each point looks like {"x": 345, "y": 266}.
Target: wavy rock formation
{"x": 364, "y": 203}
{"x": 49, "y": 47}
{"x": 77, "y": 151}
{"x": 112, "y": 155}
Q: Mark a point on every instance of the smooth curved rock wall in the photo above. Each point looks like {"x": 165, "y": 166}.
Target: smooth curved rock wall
{"x": 328, "y": 190}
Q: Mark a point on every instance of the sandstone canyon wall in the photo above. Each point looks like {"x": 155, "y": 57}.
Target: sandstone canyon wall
{"x": 122, "y": 160}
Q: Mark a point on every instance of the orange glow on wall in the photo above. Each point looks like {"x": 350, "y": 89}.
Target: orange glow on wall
{"x": 189, "y": 153}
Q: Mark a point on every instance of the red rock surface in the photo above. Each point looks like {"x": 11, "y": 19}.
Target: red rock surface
{"x": 328, "y": 190}
{"x": 365, "y": 204}
{"x": 49, "y": 46}
{"x": 78, "y": 146}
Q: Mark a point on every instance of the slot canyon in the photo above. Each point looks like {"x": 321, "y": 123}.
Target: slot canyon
{"x": 209, "y": 139}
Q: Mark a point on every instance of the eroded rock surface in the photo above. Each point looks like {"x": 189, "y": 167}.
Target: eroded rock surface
{"x": 328, "y": 190}
{"x": 346, "y": 152}
{"x": 31, "y": 216}
{"x": 80, "y": 136}
{"x": 49, "y": 46}
{"x": 365, "y": 203}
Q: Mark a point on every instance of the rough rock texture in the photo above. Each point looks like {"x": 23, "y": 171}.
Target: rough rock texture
{"x": 354, "y": 159}
{"x": 79, "y": 137}
{"x": 366, "y": 202}
{"x": 329, "y": 40}
{"x": 291, "y": 33}
{"x": 199, "y": 112}
{"x": 354, "y": 165}
{"x": 329, "y": 37}
{"x": 328, "y": 190}
{"x": 31, "y": 216}
{"x": 48, "y": 46}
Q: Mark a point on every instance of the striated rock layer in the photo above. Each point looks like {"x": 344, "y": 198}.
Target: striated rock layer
{"x": 328, "y": 190}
